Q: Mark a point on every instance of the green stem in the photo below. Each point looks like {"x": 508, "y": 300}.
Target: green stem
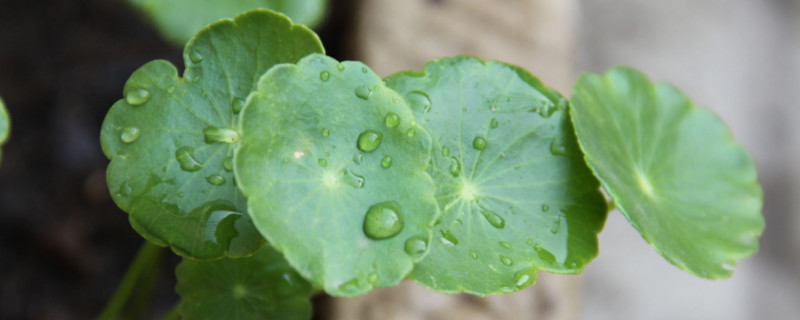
{"x": 137, "y": 284}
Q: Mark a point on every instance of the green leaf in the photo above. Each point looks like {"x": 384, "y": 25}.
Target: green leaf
{"x": 515, "y": 194}
{"x": 333, "y": 167}
{"x": 673, "y": 169}
{"x": 262, "y": 286}
{"x": 5, "y": 126}
{"x": 171, "y": 139}
{"x": 178, "y": 20}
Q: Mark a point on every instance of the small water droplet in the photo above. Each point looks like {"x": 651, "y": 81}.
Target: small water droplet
{"x": 137, "y": 96}
{"x": 506, "y": 261}
{"x": 171, "y": 89}
{"x": 372, "y": 278}
{"x": 411, "y": 132}
{"x": 195, "y": 56}
{"x": 364, "y": 69}
{"x": 455, "y": 167}
{"x": 473, "y": 255}
{"x": 392, "y": 120}
{"x": 524, "y": 277}
{"x": 445, "y": 151}
{"x": 494, "y": 123}
{"x": 383, "y": 220}
{"x": 369, "y": 140}
{"x": 547, "y": 110}
{"x": 558, "y": 146}
{"x": 530, "y": 242}
{"x": 416, "y": 246}
{"x": 130, "y": 134}
{"x": 237, "y": 105}
{"x": 215, "y": 134}
{"x": 322, "y": 162}
{"x": 357, "y": 158}
{"x": 494, "y": 219}
{"x": 185, "y": 157}
{"x": 340, "y": 67}
{"x": 216, "y": 179}
{"x": 326, "y": 132}
{"x": 419, "y": 101}
{"x": 363, "y": 92}
{"x": 386, "y": 162}
{"x": 448, "y": 238}
{"x": 353, "y": 179}
{"x": 227, "y": 164}
{"x": 349, "y": 286}
{"x": 124, "y": 189}
{"x": 479, "y": 143}
{"x": 505, "y": 244}
{"x": 544, "y": 254}
{"x": 324, "y": 75}
{"x": 545, "y": 207}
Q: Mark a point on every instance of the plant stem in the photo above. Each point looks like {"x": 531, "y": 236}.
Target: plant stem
{"x": 134, "y": 291}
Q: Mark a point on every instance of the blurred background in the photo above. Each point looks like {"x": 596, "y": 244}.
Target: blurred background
{"x": 65, "y": 245}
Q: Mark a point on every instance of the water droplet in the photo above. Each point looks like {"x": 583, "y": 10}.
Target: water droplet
{"x": 455, "y": 167}
{"x": 353, "y": 179}
{"x": 324, "y": 75}
{"x": 185, "y": 157}
{"x": 506, "y": 261}
{"x": 505, "y": 244}
{"x": 479, "y": 143}
{"x": 547, "y": 110}
{"x": 386, "y": 162}
{"x": 558, "y": 147}
{"x": 530, "y": 242}
{"x": 445, "y": 151}
{"x": 494, "y": 219}
{"x": 237, "y": 105}
{"x": 325, "y": 132}
{"x": 216, "y": 179}
{"x": 129, "y": 134}
{"x": 448, "y": 238}
{"x": 524, "y": 277}
{"x": 225, "y": 135}
{"x": 340, "y": 67}
{"x": 349, "y": 286}
{"x": 372, "y": 278}
{"x": 473, "y": 255}
{"x": 220, "y": 219}
{"x": 545, "y": 207}
{"x": 411, "y": 132}
{"x": 322, "y": 162}
{"x": 364, "y": 69}
{"x": 171, "y": 89}
{"x": 544, "y": 254}
{"x": 124, "y": 189}
{"x": 195, "y": 56}
{"x": 137, "y": 96}
{"x": 357, "y": 158}
{"x": 369, "y": 140}
{"x": 227, "y": 164}
{"x": 494, "y": 123}
{"x": 416, "y": 246}
{"x": 419, "y": 101}
{"x": 383, "y": 220}
{"x": 363, "y": 92}
{"x": 392, "y": 120}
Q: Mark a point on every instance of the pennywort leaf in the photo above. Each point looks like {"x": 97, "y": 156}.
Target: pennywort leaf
{"x": 515, "y": 194}
{"x": 178, "y": 20}
{"x": 171, "y": 139}
{"x": 333, "y": 167}
{"x": 5, "y": 125}
{"x": 262, "y": 286}
{"x": 673, "y": 169}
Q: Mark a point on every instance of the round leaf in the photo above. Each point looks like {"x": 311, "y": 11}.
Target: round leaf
{"x": 262, "y": 286}
{"x": 5, "y": 125}
{"x": 178, "y": 20}
{"x": 673, "y": 169}
{"x": 515, "y": 194}
{"x": 333, "y": 167}
{"x": 171, "y": 139}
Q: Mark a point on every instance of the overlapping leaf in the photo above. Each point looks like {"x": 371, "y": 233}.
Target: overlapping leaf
{"x": 171, "y": 139}
{"x": 673, "y": 169}
{"x": 262, "y": 286}
{"x": 5, "y": 126}
{"x": 515, "y": 194}
{"x": 179, "y": 20}
{"x": 333, "y": 167}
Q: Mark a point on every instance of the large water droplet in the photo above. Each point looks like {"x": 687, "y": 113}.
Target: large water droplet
{"x": 363, "y": 92}
{"x": 369, "y": 140}
{"x": 129, "y": 134}
{"x": 506, "y": 261}
{"x": 494, "y": 219}
{"x": 195, "y": 56}
{"x": 216, "y": 179}
{"x": 237, "y": 105}
{"x": 419, "y": 101}
{"x": 392, "y": 120}
{"x": 324, "y": 75}
{"x": 524, "y": 277}
{"x": 383, "y": 220}
{"x": 479, "y": 143}
{"x": 216, "y": 134}
{"x": 137, "y": 96}
{"x": 353, "y": 179}
{"x": 455, "y": 167}
{"x": 386, "y": 162}
{"x": 448, "y": 238}
{"x": 227, "y": 164}
{"x": 185, "y": 157}
{"x": 416, "y": 246}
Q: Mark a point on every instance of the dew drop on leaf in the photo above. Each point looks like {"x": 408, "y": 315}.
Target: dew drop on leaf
{"x": 416, "y": 246}
{"x": 383, "y": 220}
{"x": 369, "y": 140}
{"x": 419, "y": 101}
{"x": 386, "y": 162}
{"x": 357, "y": 158}
{"x": 473, "y": 255}
{"x": 411, "y": 132}
{"x": 505, "y": 244}
{"x": 545, "y": 207}
{"x": 322, "y": 162}
{"x": 349, "y": 286}
{"x": 546, "y": 110}
{"x": 557, "y": 147}
{"x": 237, "y": 105}
{"x": 372, "y": 278}
{"x": 524, "y": 277}
{"x": 215, "y": 134}
{"x": 340, "y": 67}
{"x": 353, "y": 179}
{"x": 216, "y": 179}
{"x": 227, "y": 164}
{"x": 195, "y": 56}
{"x": 445, "y": 151}
{"x": 392, "y": 120}
{"x": 363, "y": 92}
{"x": 185, "y": 157}
{"x": 494, "y": 123}
{"x": 129, "y": 134}
{"x": 137, "y": 96}
{"x": 506, "y": 261}
{"x": 455, "y": 167}
{"x": 494, "y": 219}
{"x": 326, "y": 132}
{"x": 479, "y": 143}
{"x": 171, "y": 89}
{"x": 448, "y": 238}
{"x": 324, "y": 75}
